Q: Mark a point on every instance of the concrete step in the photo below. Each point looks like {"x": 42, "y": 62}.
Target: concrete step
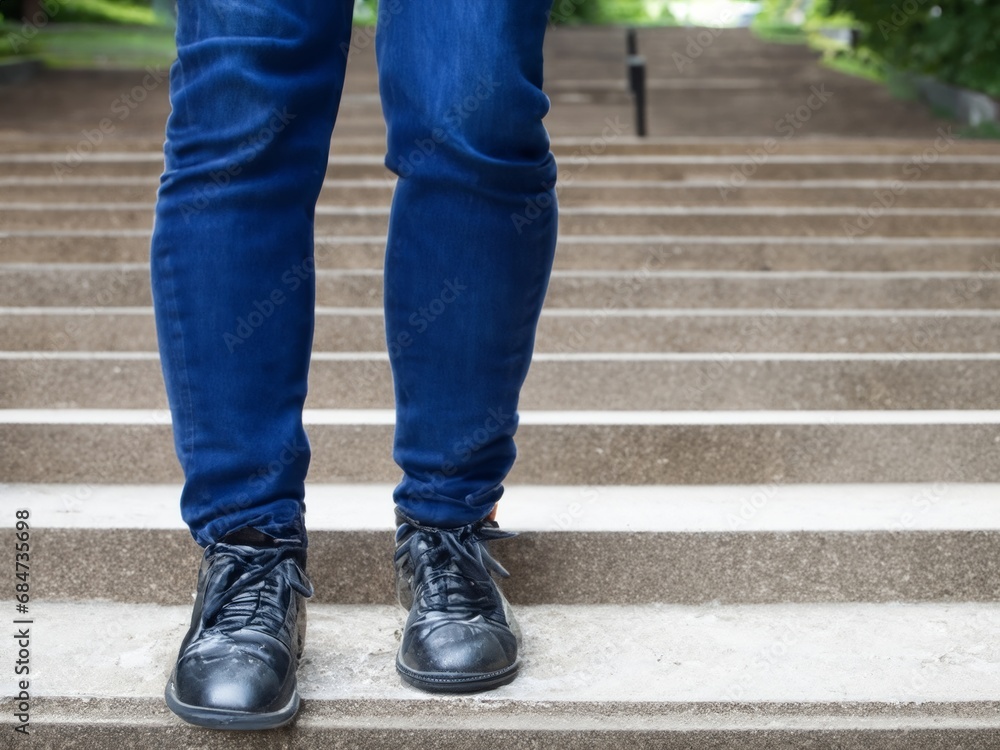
{"x": 666, "y": 252}
{"x": 58, "y": 145}
{"x": 892, "y": 676}
{"x": 556, "y": 447}
{"x": 923, "y": 194}
{"x": 734, "y": 544}
{"x": 128, "y": 285}
{"x": 726, "y": 381}
{"x": 925, "y": 162}
{"x": 834, "y": 221}
{"x": 772, "y": 330}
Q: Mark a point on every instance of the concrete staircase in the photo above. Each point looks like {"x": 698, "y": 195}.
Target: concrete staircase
{"x": 759, "y": 461}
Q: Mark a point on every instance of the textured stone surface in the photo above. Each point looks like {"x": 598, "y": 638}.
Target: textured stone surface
{"x": 698, "y": 382}
{"x": 556, "y": 453}
{"x": 670, "y": 252}
{"x": 758, "y": 676}
{"x": 650, "y": 287}
{"x": 570, "y": 331}
{"x": 354, "y": 567}
{"x": 595, "y": 545}
{"x": 708, "y": 382}
{"x": 974, "y": 194}
{"x": 646, "y": 656}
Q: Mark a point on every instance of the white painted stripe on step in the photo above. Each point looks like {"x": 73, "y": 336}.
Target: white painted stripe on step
{"x": 684, "y": 210}
{"x": 101, "y": 157}
{"x": 722, "y": 239}
{"x": 754, "y": 312}
{"x": 587, "y": 239}
{"x": 21, "y": 266}
{"x": 146, "y": 417}
{"x": 118, "y": 157}
{"x": 790, "y": 417}
{"x": 838, "y": 159}
{"x": 895, "y": 359}
{"x": 750, "y": 185}
{"x": 648, "y": 508}
{"x": 756, "y": 275}
{"x": 146, "y": 157}
{"x": 889, "y": 357}
{"x": 79, "y": 311}
{"x": 582, "y": 418}
{"x": 662, "y": 210}
{"x": 87, "y": 356}
{"x": 549, "y": 312}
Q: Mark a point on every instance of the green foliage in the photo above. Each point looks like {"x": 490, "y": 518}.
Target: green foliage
{"x": 127, "y": 12}
{"x": 953, "y": 40}
{"x": 570, "y": 11}
{"x": 106, "y": 47}
{"x": 611, "y": 11}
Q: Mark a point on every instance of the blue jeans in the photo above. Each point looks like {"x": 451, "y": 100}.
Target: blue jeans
{"x": 255, "y": 92}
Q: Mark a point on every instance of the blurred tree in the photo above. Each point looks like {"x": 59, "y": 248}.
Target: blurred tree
{"x": 957, "y": 41}
{"x": 573, "y": 11}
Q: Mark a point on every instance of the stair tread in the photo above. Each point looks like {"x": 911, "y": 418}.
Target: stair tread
{"x": 540, "y": 508}
{"x": 662, "y": 654}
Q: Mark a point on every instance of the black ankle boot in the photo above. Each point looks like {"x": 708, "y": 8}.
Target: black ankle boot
{"x": 460, "y": 636}
{"x": 236, "y": 666}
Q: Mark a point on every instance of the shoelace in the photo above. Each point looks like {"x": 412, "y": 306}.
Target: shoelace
{"x": 465, "y": 548}
{"x": 235, "y": 603}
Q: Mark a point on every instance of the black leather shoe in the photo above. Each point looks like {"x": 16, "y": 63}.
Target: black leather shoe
{"x": 460, "y": 636}
{"x": 236, "y": 666}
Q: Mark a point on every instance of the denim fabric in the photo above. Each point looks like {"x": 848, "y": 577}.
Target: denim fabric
{"x": 254, "y": 94}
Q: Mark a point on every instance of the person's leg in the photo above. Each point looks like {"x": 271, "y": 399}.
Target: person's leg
{"x": 254, "y": 94}
{"x": 471, "y": 241}
{"x": 470, "y": 248}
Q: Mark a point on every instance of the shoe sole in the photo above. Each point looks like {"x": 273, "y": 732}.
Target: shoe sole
{"x": 219, "y": 718}
{"x": 444, "y": 682}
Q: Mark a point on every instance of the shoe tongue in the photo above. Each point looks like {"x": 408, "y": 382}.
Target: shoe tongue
{"x": 250, "y": 537}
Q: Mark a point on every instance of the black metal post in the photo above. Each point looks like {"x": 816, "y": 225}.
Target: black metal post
{"x": 637, "y": 83}
{"x": 632, "y": 42}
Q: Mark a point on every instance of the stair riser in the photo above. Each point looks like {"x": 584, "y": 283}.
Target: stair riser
{"x": 850, "y": 223}
{"x": 561, "y": 567}
{"x": 586, "y": 167}
{"x": 58, "y": 145}
{"x": 167, "y": 731}
{"x": 130, "y": 287}
{"x": 759, "y": 331}
{"x": 668, "y": 254}
{"x": 573, "y": 195}
{"x": 554, "y": 454}
{"x": 713, "y": 383}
